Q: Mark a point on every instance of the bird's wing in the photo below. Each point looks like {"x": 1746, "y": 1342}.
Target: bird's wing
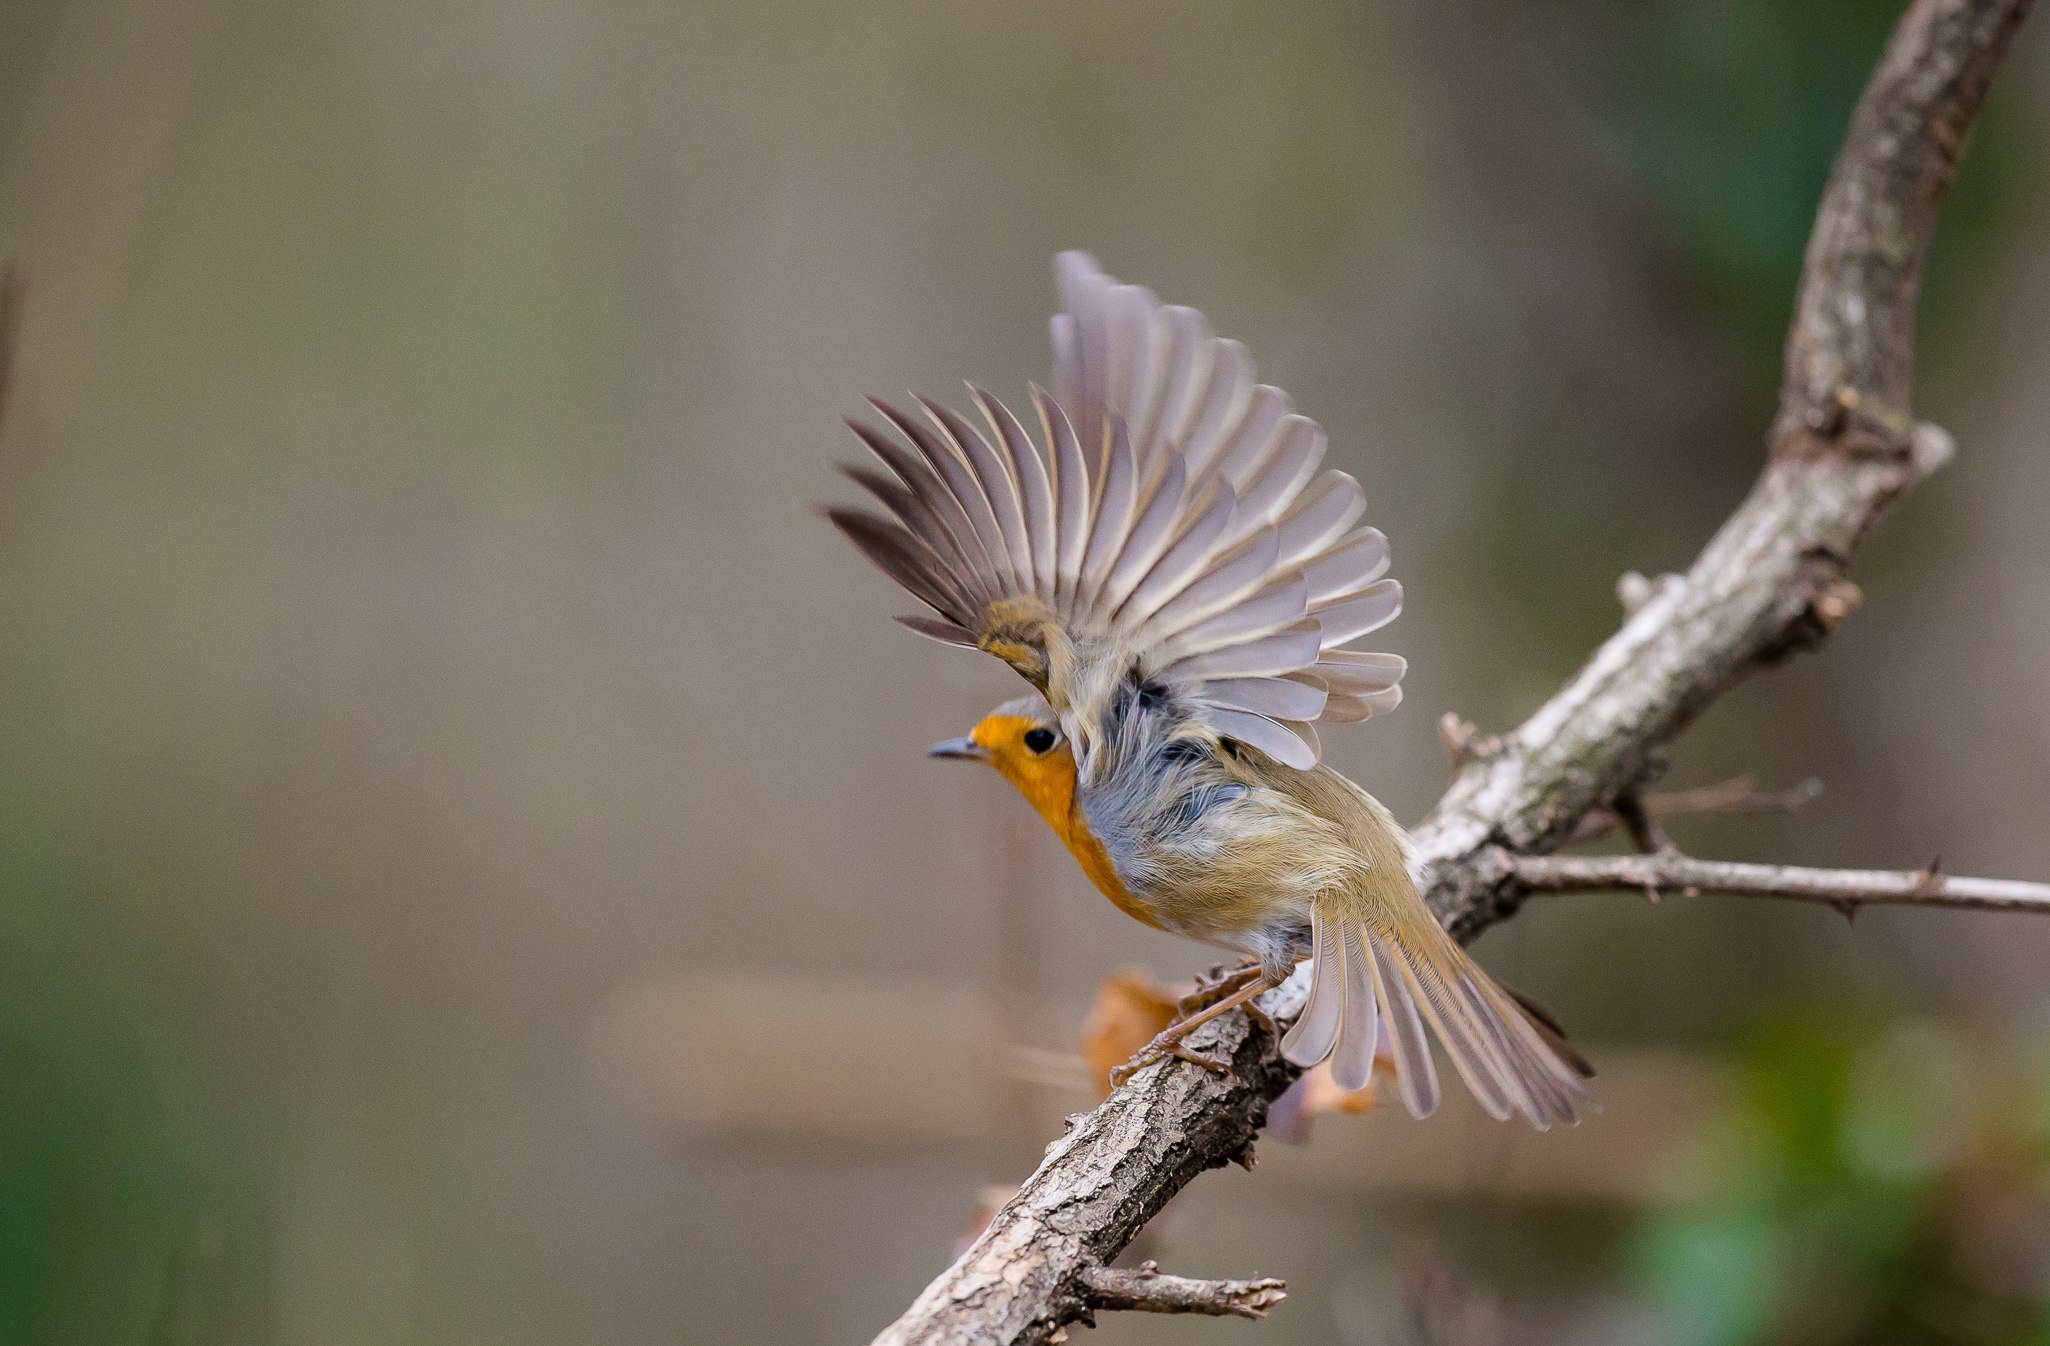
{"x": 1170, "y": 524}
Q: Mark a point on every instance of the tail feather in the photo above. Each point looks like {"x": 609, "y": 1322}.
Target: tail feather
{"x": 1317, "y": 1027}
{"x": 1489, "y": 1077}
{"x": 1352, "y": 1065}
{"x": 1415, "y": 1076}
{"x": 1364, "y": 983}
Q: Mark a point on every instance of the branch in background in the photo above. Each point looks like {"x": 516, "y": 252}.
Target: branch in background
{"x": 1740, "y": 795}
{"x": 1772, "y": 581}
{"x": 1148, "y": 1291}
{"x": 1845, "y": 889}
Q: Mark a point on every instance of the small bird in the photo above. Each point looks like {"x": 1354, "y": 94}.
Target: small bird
{"x": 1169, "y": 569}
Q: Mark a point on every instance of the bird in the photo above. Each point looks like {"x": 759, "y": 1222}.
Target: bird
{"x": 1175, "y": 573}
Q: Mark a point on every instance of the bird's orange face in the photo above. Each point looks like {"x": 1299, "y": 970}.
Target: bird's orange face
{"x": 1032, "y": 754}
{"x": 1029, "y": 753}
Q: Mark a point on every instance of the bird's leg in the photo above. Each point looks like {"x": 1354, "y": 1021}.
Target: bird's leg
{"x": 1169, "y": 1041}
{"x": 1207, "y": 992}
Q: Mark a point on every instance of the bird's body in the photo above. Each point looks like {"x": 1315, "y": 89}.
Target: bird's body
{"x": 1178, "y": 594}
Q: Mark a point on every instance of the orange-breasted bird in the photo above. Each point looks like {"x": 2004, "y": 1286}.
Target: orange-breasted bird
{"x": 1170, "y": 570}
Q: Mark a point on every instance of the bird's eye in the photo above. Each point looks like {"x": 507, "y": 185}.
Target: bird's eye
{"x": 1039, "y": 739}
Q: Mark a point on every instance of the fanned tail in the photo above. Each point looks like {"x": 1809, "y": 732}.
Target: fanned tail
{"x": 1366, "y": 982}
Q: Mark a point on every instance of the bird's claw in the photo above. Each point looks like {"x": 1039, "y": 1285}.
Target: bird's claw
{"x": 1161, "y": 1051}
{"x": 1214, "y": 988}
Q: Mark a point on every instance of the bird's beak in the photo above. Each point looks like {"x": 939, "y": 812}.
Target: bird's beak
{"x": 959, "y": 747}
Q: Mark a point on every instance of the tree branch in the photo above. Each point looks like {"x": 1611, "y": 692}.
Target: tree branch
{"x": 1148, "y": 1291}
{"x": 1740, "y": 795}
{"x": 1845, "y": 889}
{"x": 1770, "y": 582}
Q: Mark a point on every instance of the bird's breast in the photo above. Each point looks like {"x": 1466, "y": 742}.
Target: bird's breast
{"x": 1096, "y": 863}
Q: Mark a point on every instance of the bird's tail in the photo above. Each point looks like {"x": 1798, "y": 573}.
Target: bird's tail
{"x": 1366, "y": 981}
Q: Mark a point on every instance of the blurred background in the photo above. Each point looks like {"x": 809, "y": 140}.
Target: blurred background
{"x": 467, "y": 868}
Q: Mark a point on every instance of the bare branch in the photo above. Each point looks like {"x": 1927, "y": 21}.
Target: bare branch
{"x": 1771, "y": 581}
{"x": 1672, "y": 872}
{"x": 1739, "y": 795}
{"x": 1148, "y": 1291}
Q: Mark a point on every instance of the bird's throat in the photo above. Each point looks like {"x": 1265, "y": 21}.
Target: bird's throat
{"x": 1051, "y": 792}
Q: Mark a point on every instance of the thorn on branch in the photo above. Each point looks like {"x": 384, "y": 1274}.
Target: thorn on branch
{"x": 1836, "y": 602}
{"x": 1930, "y": 447}
{"x": 1463, "y": 740}
{"x": 1146, "y": 1290}
{"x": 1633, "y": 590}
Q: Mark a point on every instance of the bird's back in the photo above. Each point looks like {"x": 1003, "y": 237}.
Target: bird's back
{"x": 1229, "y": 847}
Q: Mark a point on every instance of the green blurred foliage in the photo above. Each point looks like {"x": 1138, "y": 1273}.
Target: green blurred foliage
{"x": 1727, "y": 117}
{"x": 1873, "y": 1184}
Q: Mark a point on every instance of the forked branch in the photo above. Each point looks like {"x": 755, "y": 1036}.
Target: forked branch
{"x": 1772, "y": 581}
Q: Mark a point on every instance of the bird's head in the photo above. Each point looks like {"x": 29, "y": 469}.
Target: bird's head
{"x": 1022, "y": 739}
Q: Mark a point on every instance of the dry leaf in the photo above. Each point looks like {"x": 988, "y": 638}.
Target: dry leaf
{"x": 1130, "y": 1008}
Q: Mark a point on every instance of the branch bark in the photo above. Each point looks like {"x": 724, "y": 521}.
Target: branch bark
{"x": 1147, "y": 1290}
{"x": 1772, "y": 581}
{"x": 1845, "y": 889}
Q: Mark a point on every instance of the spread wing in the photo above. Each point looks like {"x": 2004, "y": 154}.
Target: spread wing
{"x": 1169, "y": 522}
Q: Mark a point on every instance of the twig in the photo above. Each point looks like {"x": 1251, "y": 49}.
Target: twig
{"x": 1673, "y": 872}
{"x": 1770, "y": 582}
{"x": 1149, "y": 1291}
{"x": 1740, "y": 795}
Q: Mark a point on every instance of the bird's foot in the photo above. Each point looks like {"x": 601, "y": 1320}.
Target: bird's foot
{"x": 1216, "y": 987}
{"x": 1158, "y": 1050}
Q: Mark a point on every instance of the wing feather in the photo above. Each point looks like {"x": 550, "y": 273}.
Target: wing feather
{"x": 923, "y": 483}
{"x": 1351, "y": 563}
{"x": 1257, "y": 731}
{"x": 1276, "y": 698}
{"x": 1271, "y": 609}
{"x": 951, "y": 468}
{"x": 1117, "y": 497}
{"x": 1035, "y": 489}
{"x": 999, "y": 486}
{"x": 1184, "y": 558}
{"x": 1071, "y": 495}
{"x": 1151, "y": 534}
{"x": 940, "y": 629}
{"x": 1171, "y": 520}
{"x": 1350, "y": 616}
{"x": 1266, "y": 656}
{"x": 1327, "y": 507}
